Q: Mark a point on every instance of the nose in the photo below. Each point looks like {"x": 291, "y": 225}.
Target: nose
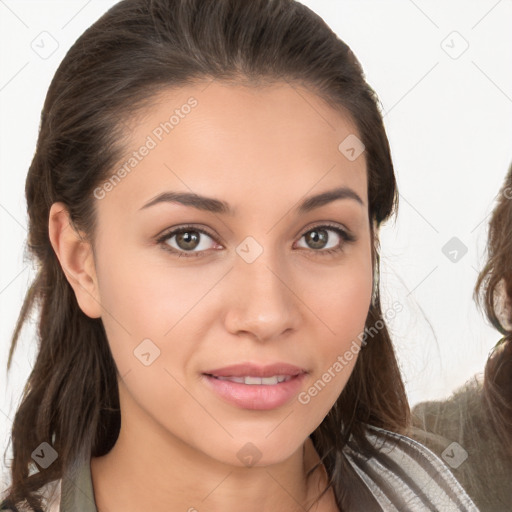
{"x": 262, "y": 300}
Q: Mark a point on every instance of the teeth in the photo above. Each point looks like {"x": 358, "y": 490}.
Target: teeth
{"x": 268, "y": 381}
{"x": 240, "y": 380}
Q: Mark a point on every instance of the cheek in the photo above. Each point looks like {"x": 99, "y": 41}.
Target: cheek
{"x": 340, "y": 298}
{"x": 145, "y": 312}
{"x": 155, "y": 302}
{"x": 151, "y": 297}
{"x": 346, "y": 303}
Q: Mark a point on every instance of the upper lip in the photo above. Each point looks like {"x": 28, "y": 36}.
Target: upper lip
{"x": 256, "y": 370}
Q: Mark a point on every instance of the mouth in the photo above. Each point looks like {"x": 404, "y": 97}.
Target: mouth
{"x": 280, "y": 370}
{"x": 252, "y": 381}
{"x": 255, "y": 392}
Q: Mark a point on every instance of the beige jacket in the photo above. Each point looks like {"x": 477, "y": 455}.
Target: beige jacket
{"x": 459, "y": 431}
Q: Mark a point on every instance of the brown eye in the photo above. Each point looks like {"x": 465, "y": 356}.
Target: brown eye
{"x": 317, "y": 238}
{"x": 321, "y": 239}
{"x": 187, "y": 241}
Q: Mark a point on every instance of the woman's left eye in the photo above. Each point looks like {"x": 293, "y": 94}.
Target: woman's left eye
{"x": 318, "y": 238}
{"x": 188, "y": 240}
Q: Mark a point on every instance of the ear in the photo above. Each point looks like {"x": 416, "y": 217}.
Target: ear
{"x": 76, "y": 259}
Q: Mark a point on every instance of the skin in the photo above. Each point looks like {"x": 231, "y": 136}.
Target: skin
{"x": 262, "y": 150}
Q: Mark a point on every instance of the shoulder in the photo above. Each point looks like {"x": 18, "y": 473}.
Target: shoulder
{"x": 459, "y": 423}
{"x": 459, "y": 431}
{"x": 442, "y": 415}
{"x": 402, "y": 474}
{"x": 74, "y": 491}
{"x": 50, "y": 494}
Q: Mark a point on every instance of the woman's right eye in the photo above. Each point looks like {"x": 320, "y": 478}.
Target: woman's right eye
{"x": 185, "y": 240}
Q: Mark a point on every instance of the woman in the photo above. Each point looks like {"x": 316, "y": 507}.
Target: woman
{"x": 204, "y": 202}
{"x": 473, "y": 429}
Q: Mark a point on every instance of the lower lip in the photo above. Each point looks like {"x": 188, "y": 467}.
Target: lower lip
{"x": 256, "y": 396}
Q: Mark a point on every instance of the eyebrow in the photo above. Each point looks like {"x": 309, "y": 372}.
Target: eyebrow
{"x": 210, "y": 204}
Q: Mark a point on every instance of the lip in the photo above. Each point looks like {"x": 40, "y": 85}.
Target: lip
{"x": 255, "y": 370}
{"x": 256, "y": 396}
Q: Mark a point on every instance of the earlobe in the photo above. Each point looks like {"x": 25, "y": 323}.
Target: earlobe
{"x": 76, "y": 259}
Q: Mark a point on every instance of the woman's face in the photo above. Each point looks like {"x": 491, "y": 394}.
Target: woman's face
{"x": 262, "y": 275}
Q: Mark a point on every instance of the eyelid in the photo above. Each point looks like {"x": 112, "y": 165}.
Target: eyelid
{"x": 324, "y": 224}
{"x": 166, "y": 233}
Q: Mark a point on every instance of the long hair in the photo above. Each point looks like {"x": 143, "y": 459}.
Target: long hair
{"x": 135, "y": 50}
{"x": 493, "y": 290}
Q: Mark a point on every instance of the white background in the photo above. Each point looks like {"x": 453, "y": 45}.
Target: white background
{"x": 449, "y": 121}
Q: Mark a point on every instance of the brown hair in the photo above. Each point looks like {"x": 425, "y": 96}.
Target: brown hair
{"x": 494, "y": 290}
{"x": 136, "y": 49}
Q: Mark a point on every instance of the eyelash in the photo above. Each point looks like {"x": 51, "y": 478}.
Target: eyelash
{"x": 344, "y": 235}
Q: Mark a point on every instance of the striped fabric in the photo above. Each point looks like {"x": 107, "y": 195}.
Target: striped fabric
{"x": 407, "y": 476}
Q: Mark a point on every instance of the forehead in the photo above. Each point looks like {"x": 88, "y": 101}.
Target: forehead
{"x": 213, "y": 137}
